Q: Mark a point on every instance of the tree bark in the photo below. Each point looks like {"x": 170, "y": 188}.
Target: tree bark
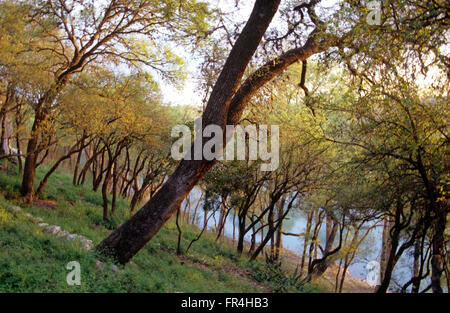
{"x": 10, "y": 95}
{"x": 27, "y": 189}
{"x": 279, "y": 239}
{"x": 128, "y": 239}
{"x": 29, "y": 170}
{"x": 416, "y": 267}
{"x": 77, "y": 163}
{"x": 438, "y": 240}
{"x": 322, "y": 264}
{"x": 306, "y": 239}
{"x": 385, "y": 246}
{"x": 389, "y": 250}
{"x": 277, "y": 225}
{"x": 225, "y": 106}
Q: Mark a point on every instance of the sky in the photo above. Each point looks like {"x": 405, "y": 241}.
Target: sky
{"x": 189, "y": 95}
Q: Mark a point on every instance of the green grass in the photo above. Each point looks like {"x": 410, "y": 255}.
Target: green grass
{"x": 32, "y": 260}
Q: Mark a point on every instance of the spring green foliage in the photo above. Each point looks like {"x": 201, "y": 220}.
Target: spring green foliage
{"x": 32, "y": 260}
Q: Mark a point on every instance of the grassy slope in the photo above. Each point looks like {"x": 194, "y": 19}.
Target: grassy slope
{"x": 32, "y": 260}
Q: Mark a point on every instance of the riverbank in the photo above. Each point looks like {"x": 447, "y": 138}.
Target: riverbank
{"x": 290, "y": 260}
{"x": 38, "y": 241}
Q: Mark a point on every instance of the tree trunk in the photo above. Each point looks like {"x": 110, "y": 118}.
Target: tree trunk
{"x": 316, "y": 245}
{"x": 234, "y": 225}
{"x": 386, "y": 247}
{"x": 55, "y": 166}
{"x": 97, "y": 179}
{"x": 225, "y": 105}
{"x": 416, "y": 267}
{"x": 390, "y": 247}
{"x": 440, "y": 220}
{"x": 9, "y": 98}
{"x": 252, "y": 241}
{"x": 115, "y": 177}
{"x": 19, "y": 158}
{"x": 3, "y": 134}
{"x": 77, "y": 163}
{"x": 279, "y": 232}
{"x": 105, "y": 191}
{"x": 44, "y": 103}
{"x": 241, "y": 234}
{"x": 194, "y": 216}
{"x": 29, "y": 171}
{"x": 331, "y": 231}
{"x": 306, "y": 239}
{"x": 271, "y": 232}
{"x": 274, "y": 228}
{"x": 438, "y": 244}
{"x": 222, "y": 219}
{"x": 180, "y": 233}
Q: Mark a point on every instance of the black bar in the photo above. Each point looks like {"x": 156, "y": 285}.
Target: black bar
{"x": 182, "y": 302}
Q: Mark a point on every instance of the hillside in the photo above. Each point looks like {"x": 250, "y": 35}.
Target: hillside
{"x": 317, "y": 126}
{"x": 33, "y": 255}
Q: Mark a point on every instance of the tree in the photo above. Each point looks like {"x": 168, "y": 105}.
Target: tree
{"x": 83, "y": 32}
{"x": 130, "y": 238}
{"x": 228, "y": 100}
{"x": 400, "y": 137}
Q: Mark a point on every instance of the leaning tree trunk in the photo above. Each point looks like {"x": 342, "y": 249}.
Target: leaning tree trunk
{"x": 129, "y": 238}
{"x": 225, "y": 106}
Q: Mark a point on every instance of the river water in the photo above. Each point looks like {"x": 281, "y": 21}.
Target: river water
{"x": 369, "y": 250}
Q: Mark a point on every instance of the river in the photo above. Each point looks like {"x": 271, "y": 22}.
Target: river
{"x": 369, "y": 250}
